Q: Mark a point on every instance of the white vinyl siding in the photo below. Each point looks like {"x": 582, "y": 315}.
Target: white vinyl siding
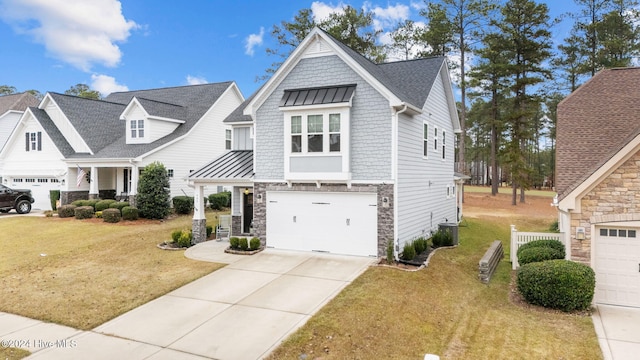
{"x": 66, "y": 129}
{"x": 423, "y": 182}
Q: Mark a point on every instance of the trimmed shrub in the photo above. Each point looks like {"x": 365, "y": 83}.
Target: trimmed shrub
{"x": 92, "y": 203}
{"x": 185, "y": 238}
{"x": 557, "y": 284}
{"x": 243, "y": 244}
{"x": 54, "y": 196}
{"x": 99, "y": 214}
{"x": 119, "y": 205}
{"x": 66, "y": 211}
{"x": 537, "y": 254}
{"x": 420, "y": 245}
{"x": 254, "y": 243}
{"x": 83, "y": 212}
{"x": 103, "y": 204}
{"x": 129, "y": 213}
{"x": 111, "y": 215}
{"x": 234, "y": 242}
{"x": 153, "y": 192}
{"x": 555, "y": 244}
{"x": 408, "y": 252}
{"x": 175, "y": 235}
{"x": 183, "y": 204}
{"x": 219, "y": 201}
{"x": 390, "y": 258}
{"x": 80, "y": 203}
{"x": 209, "y": 231}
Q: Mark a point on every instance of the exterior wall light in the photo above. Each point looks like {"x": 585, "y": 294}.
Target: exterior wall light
{"x": 580, "y": 233}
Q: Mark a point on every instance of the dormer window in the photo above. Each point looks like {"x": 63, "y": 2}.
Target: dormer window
{"x": 137, "y": 129}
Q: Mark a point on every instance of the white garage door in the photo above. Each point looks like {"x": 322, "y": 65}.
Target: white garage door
{"x": 40, "y": 188}
{"x": 341, "y": 223}
{"x": 617, "y": 266}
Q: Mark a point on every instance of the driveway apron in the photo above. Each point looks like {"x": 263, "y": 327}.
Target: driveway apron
{"x": 618, "y": 331}
{"x": 242, "y": 311}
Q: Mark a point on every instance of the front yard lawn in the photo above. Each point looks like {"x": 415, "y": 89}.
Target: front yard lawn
{"x": 443, "y": 309}
{"x": 82, "y": 273}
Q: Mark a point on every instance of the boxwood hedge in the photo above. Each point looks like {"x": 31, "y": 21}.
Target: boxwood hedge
{"x": 536, "y": 254}
{"x": 555, "y": 244}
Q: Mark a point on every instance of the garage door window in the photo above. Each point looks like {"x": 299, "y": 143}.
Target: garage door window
{"x": 623, "y": 233}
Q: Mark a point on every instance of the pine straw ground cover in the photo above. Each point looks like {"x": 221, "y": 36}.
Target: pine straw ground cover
{"x": 82, "y": 273}
{"x": 444, "y": 309}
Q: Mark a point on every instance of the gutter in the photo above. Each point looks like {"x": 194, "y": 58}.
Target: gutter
{"x": 394, "y": 174}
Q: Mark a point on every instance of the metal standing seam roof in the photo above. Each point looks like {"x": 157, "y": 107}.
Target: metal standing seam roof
{"x": 318, "y": 96}
{"x": 233, "y": 165}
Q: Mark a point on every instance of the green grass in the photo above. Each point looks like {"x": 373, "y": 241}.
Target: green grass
{"x": 508, "y": 190}
{"x": 13, "y": 353}
{"x": 82, "y": 273}
{"x": 444, "y": 309}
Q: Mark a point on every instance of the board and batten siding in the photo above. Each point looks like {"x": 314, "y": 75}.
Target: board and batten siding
{"x": 66, "y": 129}
{"x": 422, "y": 182}
{"x": 370, "y": 118}
{"x": 203, "y": 143}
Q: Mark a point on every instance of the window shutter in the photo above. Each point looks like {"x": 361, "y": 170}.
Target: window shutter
{"x": 39, "y": 141}
{"x": 27, "y": 141}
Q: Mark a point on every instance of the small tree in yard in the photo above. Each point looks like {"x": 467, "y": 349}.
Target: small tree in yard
{"x": 153, "y": 192}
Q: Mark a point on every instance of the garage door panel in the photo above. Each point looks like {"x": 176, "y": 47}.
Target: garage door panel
{"x": 343, "y": 223}
{"x": 617, "y": 266}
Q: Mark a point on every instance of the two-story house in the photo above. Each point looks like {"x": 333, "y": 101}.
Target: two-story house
{"x": 11, "y": 109}
{"x": 338, "y": 154}
{"x": 97, "y": 148}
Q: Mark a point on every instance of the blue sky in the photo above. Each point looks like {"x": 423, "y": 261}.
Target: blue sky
{"x": 51, "y": 45}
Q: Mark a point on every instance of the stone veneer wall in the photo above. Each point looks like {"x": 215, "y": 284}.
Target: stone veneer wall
{"x": 616, "y": 198}
{"x": 67, "y": 197}
{"x": 385, "y": 214}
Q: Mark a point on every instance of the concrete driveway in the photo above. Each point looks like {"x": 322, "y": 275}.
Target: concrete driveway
{"x": 242, "y": 311}
{"x": 618, "y": 331}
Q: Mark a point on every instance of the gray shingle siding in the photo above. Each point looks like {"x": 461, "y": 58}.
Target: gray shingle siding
{"x": 370, "y": 121}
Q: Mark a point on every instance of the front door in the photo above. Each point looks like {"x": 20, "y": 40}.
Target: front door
{"x": 247, "y": 211}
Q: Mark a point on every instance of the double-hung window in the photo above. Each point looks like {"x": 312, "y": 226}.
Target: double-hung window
{"x": 227, "y": 139}
{"x": 137, "y": 129}
{"x": 296, "y": 134}
{"x": 425, "y": 139}
{"x": 334, "y": 132}
{"x": 444, "y": 148}
{"x": 316, "y": 133}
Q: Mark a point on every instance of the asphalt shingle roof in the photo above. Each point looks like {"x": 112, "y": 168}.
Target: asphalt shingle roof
{"x": 17, "y": 102}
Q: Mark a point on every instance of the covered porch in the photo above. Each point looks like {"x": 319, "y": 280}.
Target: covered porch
{"x": 233, "y": 169}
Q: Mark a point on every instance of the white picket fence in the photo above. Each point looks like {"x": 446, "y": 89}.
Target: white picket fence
{"x": 518, "y": 238}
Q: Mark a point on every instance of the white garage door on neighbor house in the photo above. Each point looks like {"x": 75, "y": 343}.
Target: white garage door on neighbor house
{"x": 617, "y": 265}
{"x": 340, "y": 223}
{"x": 40, "y": 188}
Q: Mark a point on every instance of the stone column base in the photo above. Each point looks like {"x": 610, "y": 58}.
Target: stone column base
{"x": 199, "y": 229}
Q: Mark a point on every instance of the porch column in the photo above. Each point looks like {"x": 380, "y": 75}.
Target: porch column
{"x": 93, "y": 184}
{"x": 199, "y": 224}
{"x": 134, "y": 184}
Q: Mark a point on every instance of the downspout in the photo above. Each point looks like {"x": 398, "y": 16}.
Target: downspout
{"x": 394, "y": 174}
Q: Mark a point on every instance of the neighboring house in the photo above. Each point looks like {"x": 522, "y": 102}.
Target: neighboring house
{"x": 11, "y": 109}
{"x": 598, "y": 181}
{"x": 338, "y": 154}
{"x": 112, "y": 140}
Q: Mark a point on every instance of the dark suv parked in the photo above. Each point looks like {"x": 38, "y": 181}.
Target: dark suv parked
{"x": 18, "y": 199}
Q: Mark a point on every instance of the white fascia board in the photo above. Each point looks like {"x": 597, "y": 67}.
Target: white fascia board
{"x": 48, "y": 97}
{"x": 572, "y": 200}
{"x": 114, "y": 162}
{"x": 453, "y": 109}
{"x": 10, "y": 139}
{"x": 160, "y": 118}
{"x": 297, "y": 55}
{"x": 134, "y": 102}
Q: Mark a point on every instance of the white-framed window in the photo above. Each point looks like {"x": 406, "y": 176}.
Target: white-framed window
{"x": 33, "y": 141}
{"x": 17, "y": 180}
{"x": 54, "y": 180}
{"x": 227, "y": 139}
{"x": 425, "y": 139}
{"x": 435, "y": 138}
{"x": 30, "y": 180}
{"x": 296, "y": 133}
{"x": 444, "y": 148}
{"x": 137, "y": 128}
{"x": 170, "y": 172}
{"x": 315, "y": 133}
{"x": 41, "y": 180}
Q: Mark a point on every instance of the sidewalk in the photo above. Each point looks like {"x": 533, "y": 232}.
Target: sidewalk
{"x": 261, "y": 299}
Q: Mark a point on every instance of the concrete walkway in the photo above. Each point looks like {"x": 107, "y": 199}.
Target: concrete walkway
{"x": 618, "y": 331}
{"x": 242, "y": 311}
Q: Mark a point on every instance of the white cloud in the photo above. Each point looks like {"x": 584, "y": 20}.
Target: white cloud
{"x": 196, "y": 80}
{"x": 389, "y": 17}
{"x": 105, "y": 85}
{"x": 322, "y": 11}
{"x": 78, "y": 32}
{"x": 252, "y": 41}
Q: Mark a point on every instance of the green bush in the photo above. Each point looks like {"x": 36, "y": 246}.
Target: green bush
{"x": 83, "y": 212}
{"x": 555, "y": 226}
{"x": 554, "y": 244}
{"x": 66, "y": 211}
{"x": 92, "y": 203}
{"x": 153, "y": 192}
{"x": 111, "y": 215}
{"x": 234, "y": 242}
{"x": 420, "y": 245}
{"x": 104, "y": 204}
{"x": 390, "y": 257}
{"x": 175, "y": 235}
{"x": 54, "y": 196}
{"x": 119, "y": 205}
{"x": 408, "y": 252}
{"x": 243, "y": 244}
{"x": 185, "y": 238}
{"x": 557, "y": 284}
{"x": 129, "y": 213}
{"x": 209, "y": 231}
{"x": 537, "y": 254}
{"x": 254, "y": 243}
{"x": 183, "y": 204}
{"x": 220, "y": 200}
{"x": 80, "y": 203}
